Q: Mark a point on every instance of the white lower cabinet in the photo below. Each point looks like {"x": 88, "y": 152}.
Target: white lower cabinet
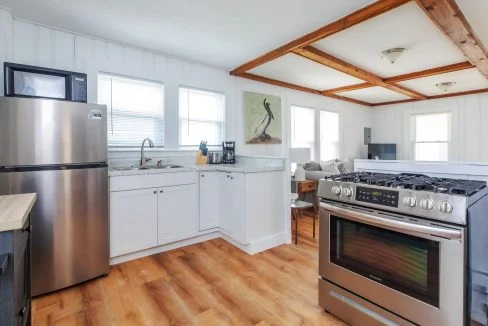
{"x": 133, "y": 220}
{"x": 249, "y": 208}
{"x": 177, "y": 213}
{"x": 232, "y": 207}
{"x": 209, "y": 199}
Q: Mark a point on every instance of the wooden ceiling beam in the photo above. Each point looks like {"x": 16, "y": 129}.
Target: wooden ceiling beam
{"x": 347, "y": 88}
{"x": 476, "y": 91}
{"x": 430, "y": 72}
{"x": 451, "y": 21}
{"x": 328, "y": 60}
{"x": 352, "y": 19}
{"x": 400, "y": 78}
{"x": 299, "y": 88}
{"x": 395, "y": 102}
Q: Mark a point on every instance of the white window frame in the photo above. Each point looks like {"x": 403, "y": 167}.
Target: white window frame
{"x": 292, "y": 134}
{"x": 338, "y": 144}
{"x": 413, "y": 133}
{"x": 223, "y": 121}
{"x": 109, "y": 113}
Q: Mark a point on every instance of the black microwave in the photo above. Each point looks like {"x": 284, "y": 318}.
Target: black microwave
{"x": 37, "y": 82}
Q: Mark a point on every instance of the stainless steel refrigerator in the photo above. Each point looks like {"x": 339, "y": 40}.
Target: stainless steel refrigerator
{"x": 58, "y": 149}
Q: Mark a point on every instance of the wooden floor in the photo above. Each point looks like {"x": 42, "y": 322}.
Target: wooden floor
{"x": 211, "y": 283}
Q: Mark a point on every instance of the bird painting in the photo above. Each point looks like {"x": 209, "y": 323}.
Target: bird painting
{"x": 262, "y": 125}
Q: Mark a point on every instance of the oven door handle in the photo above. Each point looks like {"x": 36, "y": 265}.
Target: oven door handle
{"x": 394, "y": 225}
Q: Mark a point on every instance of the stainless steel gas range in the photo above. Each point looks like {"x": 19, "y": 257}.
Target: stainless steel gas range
{"x": 404, "y": 249}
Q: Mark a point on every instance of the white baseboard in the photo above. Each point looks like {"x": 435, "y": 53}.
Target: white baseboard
{"x": 259, "y": 245}
{"x": 266, "y": 243}
{"x": 250, "y": 248}
{"x": 163, "y": 248}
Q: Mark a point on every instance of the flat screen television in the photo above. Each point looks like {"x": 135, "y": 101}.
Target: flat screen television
{"x": 382, "y": 151}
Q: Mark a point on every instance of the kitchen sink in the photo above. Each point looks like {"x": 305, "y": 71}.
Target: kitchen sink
{"x": 124, "y": 168}
{"x": 133, "y": 168}
{"x": 167, "y": 166}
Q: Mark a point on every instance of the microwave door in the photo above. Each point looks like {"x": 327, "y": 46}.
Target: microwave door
{"x": 39, "y": 85}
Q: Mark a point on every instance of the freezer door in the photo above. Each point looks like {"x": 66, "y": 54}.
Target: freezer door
{"x": 70, "y": 224}
{"x": 45, "y": 132}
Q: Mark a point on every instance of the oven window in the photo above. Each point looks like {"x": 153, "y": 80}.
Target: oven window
{"x": 402, "y": 262}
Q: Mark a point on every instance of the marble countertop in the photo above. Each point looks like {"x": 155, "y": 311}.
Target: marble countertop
{"x": 14, "y": 210}
{"x": 200, "y": 168}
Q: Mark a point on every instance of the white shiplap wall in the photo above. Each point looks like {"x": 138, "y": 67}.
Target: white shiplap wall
{"x": 29, "y": 43}
{"x": 469, "y": 126}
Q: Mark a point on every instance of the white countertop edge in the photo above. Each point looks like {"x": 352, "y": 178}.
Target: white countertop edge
{"x": 21, "y": 211}
{"x": 203, "y": 168}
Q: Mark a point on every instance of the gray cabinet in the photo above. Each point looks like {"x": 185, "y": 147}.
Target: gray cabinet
{"x": 15, "y": 295}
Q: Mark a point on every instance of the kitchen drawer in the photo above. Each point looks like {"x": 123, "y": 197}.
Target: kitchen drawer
{"x": 144, "y": 181}
{"x": 307, "y": 186}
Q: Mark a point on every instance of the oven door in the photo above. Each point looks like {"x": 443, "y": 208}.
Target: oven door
{"x": 411, "y": 267}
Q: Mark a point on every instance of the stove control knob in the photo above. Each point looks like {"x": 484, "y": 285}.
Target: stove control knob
{"x": 347, "y": 192}
{"x": 409, "y": 201}
{"x": 427, "y": 204}
{"x": 336, "y": 190}
{"x": 445, "y": 207}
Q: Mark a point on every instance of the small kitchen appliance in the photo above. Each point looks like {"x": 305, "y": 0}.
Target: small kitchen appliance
{"x": 228, "y": 152}
{"x": 38, "y": 82}
{"x": 403, "y": 249}
{"x": 214, "y": 157}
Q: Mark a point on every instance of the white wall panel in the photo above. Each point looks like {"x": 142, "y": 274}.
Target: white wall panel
{"x": 45, "y": 47}
{"x": 53, "y": 48}
{"x": 6, "y": 41}
{"x": 84, "y": 49}
{"x": 64, "y": 50}
{"x": 469, "y": 119}
{"x": 25, "y": 43}
{"x": 115, "y": 59}
{"x": 133, "y": 62}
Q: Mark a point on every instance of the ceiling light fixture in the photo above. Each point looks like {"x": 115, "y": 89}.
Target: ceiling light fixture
{"x": 445, "y": 87}
{"x": 392, "y": 55}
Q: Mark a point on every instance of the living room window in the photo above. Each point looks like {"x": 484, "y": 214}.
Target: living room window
{"x": 329, "y": 135}
{"x": 201, "y": 117}
{"x": 303, "y": 128}
{"x": 431, "y": 136}
{"x": 135, "y": 110}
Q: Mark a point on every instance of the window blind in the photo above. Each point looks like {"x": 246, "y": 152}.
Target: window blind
{"x": 201, "y": 117}
{"x": 431, "y": 136}
{"x": 329, "y": 135}
{"x": 303, "y": 128}
{"x": 135, "y": 110}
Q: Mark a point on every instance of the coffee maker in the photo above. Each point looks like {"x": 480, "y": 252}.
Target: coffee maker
{"x": 228, "y": 152}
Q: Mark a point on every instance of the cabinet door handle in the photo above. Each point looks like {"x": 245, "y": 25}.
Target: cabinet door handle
{"x": 3, "y": 263}
{"x": 203, "y": 175}
{"x": 155, "y": 191}
{"x": 160, "y": 191}
{"x": 232, "y": 178}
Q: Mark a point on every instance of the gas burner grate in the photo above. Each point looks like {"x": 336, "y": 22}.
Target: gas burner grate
{"x": 413, "y": 182}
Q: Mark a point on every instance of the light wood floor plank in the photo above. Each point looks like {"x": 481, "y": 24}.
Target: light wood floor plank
{"x": 210, "y": 283}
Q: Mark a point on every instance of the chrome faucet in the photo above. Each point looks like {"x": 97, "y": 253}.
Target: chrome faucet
{"x": 145, "y": 159}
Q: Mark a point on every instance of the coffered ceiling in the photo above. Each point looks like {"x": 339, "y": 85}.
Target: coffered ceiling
{"x": 342, "y": 59}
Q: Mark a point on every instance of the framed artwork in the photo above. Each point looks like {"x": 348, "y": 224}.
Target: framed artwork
{"x": 262, "y": 119}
